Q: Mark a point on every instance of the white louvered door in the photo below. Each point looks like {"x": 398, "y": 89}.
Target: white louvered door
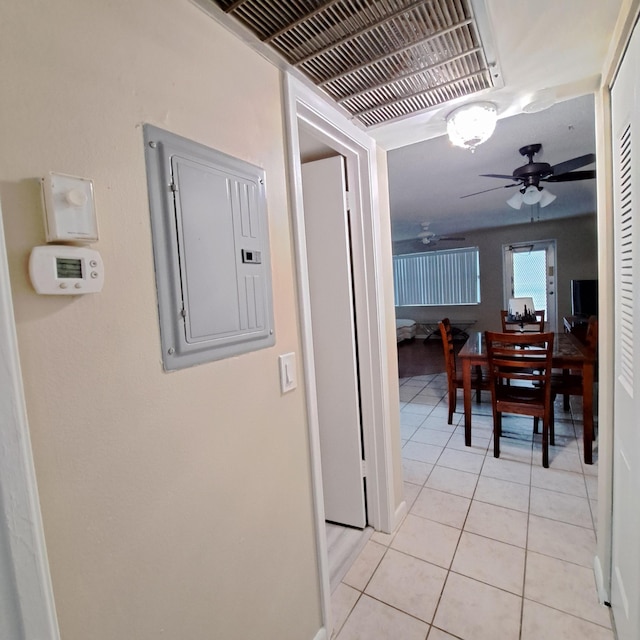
{"x": 625, "y": 579}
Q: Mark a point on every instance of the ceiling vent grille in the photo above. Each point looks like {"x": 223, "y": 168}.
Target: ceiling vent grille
{"x": 381, "y": 60}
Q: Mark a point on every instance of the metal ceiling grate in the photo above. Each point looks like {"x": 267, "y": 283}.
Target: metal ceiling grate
{"x": 380, "y": 60}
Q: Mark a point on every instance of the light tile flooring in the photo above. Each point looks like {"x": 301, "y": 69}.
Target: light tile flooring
{"x": 491, "y": 549}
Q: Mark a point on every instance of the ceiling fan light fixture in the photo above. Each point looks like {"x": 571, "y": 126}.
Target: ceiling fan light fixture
{"x": 515, "y": 201}
{"x": 546, "y": 198}
{"x": 532, "y": 195}
{"x": 472, "y": 124}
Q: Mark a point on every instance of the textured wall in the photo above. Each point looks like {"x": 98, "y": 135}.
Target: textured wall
{"x": 174, "y": 505}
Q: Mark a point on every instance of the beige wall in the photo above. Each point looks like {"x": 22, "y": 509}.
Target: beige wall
{"x": 175, "y": 505}
{"x": 576, "y": 253}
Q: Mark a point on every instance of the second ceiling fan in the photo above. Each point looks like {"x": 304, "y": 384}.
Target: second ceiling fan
{"x": 428, "y": 237}
{"x": 529, "y": 176}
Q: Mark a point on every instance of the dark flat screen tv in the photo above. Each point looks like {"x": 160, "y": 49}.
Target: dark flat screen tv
{"x": 584, "y": 298}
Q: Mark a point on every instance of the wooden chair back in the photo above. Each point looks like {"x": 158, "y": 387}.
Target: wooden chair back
{"x": 569, "y": 383}
{"x": 592, "y": 334}
{"x": 520, "y": 378}
{"x": 447, "y": 345}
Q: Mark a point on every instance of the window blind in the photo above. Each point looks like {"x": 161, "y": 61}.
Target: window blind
{"x": 433, "y": 278}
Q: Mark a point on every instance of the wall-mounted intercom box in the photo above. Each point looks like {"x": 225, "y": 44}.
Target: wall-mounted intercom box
{"x": 211, "y": 251}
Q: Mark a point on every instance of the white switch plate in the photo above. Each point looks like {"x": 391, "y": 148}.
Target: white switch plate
{"x": 288, "y": 378}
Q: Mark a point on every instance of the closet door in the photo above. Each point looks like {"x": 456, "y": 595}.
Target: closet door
{"x": 625, "y": 579}
{"x": 326, "y": 222}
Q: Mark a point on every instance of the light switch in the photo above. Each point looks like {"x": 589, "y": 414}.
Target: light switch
{"x": 288, "y": 378}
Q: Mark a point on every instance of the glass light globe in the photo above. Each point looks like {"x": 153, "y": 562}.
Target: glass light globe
{"x": 472, "y": 124}
{"x": 531, "y": 195}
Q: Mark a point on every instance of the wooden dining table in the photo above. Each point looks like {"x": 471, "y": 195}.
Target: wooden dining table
{"x": 568, "y": 353}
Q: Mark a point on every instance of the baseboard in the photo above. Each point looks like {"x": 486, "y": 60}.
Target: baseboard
{"x": 341, "y": 570}
{"x": 399, "y": 515}
{"x": 321, "y": 635}
{"x": 603, "y": 595}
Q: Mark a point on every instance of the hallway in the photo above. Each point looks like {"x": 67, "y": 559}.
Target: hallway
{"x": 491, "y": 549}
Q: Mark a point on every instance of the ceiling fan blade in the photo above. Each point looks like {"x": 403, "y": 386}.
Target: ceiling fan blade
{"x": 570, "y": 177}
{"x": 496, "y": 175}
{"x": 574, "y": 163}
{"x": 504, "y": 186}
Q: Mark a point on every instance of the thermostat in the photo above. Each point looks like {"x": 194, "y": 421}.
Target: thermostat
{"x": 66, "y": 270}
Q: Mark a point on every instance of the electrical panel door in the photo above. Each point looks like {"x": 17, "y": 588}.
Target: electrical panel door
{"x": 211, "y": 251}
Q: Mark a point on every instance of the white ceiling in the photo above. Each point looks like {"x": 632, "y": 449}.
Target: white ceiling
{"x": 549, "y": 51}
{"x": 427, "y": 179}
{"x": 546, "y": 51}
{"x": 546, "y": 48}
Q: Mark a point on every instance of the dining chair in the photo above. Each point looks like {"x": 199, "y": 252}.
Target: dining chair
{"x": 511, "y": 326}
{"x": 479, "y": 377}
{"x": 520, "y": 381}
{"x": 569, "y": 383}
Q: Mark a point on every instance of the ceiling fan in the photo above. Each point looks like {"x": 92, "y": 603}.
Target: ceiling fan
{"x": 529, "y": 176}
{"x": 428, "y": 237}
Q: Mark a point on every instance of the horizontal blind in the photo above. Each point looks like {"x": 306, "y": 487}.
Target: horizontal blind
{"x": 436, "y": 278}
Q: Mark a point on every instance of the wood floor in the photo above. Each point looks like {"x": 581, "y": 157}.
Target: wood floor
{"x": 419, "y": 357}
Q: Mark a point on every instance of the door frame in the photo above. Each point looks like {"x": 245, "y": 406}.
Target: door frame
{"x": 28, "y": 587}
{"x": 306, "y": 109}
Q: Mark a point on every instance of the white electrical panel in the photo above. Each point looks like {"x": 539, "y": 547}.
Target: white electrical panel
{"x": 211, "y": 250}
{"x": 66, "y": 270}
{"x": 69, "y": 208}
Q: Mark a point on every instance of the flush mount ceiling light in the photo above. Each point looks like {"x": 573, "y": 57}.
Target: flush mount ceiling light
{"x": 472, "y": 124}
{"x": 531, "y": 195}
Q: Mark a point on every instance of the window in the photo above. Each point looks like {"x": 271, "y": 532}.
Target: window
{"x": 529, "y": 272}
{"x": 530, "y": 277}
{"x": 437, "y": 278}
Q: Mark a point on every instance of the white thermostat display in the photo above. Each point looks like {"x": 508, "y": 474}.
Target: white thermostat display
{"x": 66, "y": 270}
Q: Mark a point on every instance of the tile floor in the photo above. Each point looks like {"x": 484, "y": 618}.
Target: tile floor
{"x": 491, "y": 549}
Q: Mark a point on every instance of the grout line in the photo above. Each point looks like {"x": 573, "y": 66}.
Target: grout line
{"x": 526, "y": 550}
{"x": 487, "y": 452}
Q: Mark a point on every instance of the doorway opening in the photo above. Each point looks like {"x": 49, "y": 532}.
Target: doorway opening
{"x": 529, "y": 271}
{"x": 335, "y": 352}
{"x": 382, "y": 489}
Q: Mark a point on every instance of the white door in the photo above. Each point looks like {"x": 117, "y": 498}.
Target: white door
{"x": 529, "y": 271}
{"x": 326, "y": 222}
{"x": 625, "y": 578}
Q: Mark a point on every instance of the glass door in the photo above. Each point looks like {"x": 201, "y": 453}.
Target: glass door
{"x": 529, "y": 271}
